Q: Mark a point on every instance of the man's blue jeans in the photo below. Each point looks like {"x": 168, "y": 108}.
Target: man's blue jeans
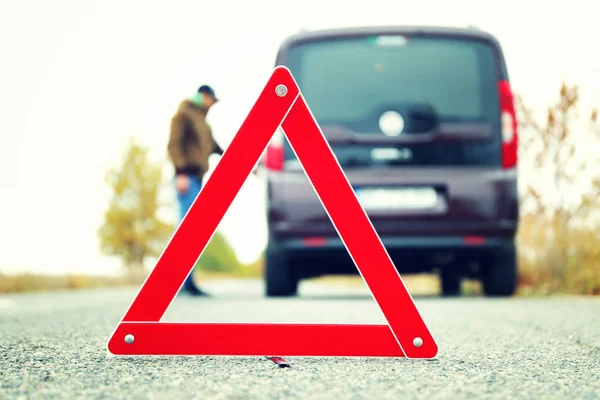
{"x": 185, "y": 201}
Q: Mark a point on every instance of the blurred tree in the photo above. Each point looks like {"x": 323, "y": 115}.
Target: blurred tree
{"x": 254, "y": 269}
{"x": 132, "y": 229}
{"x": 560, "y": 153}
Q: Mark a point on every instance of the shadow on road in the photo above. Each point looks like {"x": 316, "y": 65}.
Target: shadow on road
{"x": 362, "y": 297}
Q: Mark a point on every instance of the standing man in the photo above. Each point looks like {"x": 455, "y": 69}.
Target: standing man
{"x": 190, "y": 144}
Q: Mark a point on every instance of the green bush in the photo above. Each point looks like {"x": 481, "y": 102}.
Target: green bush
{"x": 219, "y": 256}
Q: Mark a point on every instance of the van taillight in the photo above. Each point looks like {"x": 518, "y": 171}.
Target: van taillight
{"x": 274, "y": 156}
{"x": 510, "y": 142}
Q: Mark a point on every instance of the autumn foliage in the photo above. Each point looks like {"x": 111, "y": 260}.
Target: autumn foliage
{"x": 560, "y": 177}
{"x": 133, "y": 229}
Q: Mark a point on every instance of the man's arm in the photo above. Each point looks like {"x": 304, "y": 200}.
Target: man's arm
{"x": 218, "y": 150}
{"x": 175, "y": 143}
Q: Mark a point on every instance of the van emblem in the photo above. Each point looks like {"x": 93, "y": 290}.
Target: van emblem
{"x": 391, "y": 123}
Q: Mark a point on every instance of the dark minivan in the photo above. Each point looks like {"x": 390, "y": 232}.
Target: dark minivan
{"x": 422, "y": 121}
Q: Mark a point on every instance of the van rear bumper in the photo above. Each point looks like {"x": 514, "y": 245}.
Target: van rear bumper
{"x": 399, "y": 230}
{"x": 316, "y": 244}
{"x": 313, "y": 257}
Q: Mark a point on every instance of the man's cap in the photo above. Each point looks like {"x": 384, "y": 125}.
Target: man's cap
{"x": 208, "y": 90}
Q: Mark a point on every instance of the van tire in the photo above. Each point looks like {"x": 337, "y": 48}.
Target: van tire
{"x": 280, "y": 279}
{"x": 450, "y": 281}
{"x": 500, "y": 276}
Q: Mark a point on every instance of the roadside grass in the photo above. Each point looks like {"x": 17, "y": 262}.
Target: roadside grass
{"x": 29, "y": 282}
{"x": 418, "y": 285}
{"x": 22, "y": 283}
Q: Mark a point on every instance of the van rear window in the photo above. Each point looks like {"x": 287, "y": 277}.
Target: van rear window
{"x": 348, "y": 81}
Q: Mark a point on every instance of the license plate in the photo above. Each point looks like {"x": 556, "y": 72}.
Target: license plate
{"x": 397, "y": 198}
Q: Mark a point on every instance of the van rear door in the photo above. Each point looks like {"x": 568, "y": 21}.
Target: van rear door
{"x": 412, "y": 113}
{"x": 357, "y": 86}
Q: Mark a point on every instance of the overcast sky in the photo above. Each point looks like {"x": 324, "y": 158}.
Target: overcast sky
{"x": 87, "y": 73}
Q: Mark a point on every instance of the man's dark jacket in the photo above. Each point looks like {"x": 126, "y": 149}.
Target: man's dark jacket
{"x": 191, "y": 141}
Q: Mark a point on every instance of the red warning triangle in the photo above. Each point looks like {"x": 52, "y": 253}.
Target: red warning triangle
{"x": 141, "y": 333}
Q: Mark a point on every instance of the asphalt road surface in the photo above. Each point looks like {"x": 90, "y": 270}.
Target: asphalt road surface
{"x": 53, "y": 345}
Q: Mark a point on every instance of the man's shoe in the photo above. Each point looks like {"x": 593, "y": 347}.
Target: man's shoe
{"x": 194, "y": 291}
